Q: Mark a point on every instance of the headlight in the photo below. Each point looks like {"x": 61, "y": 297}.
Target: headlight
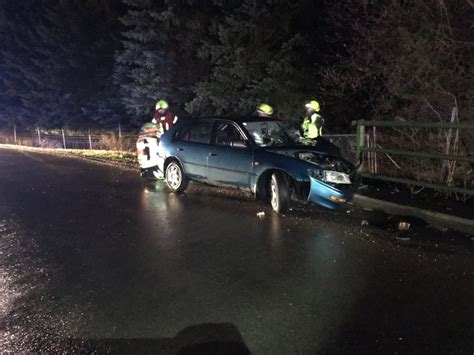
{"x": 336, "y": 177}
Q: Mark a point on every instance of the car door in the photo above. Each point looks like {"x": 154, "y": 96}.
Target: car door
{"x": 230, "y": 161}
{"x": 192, "y": 148}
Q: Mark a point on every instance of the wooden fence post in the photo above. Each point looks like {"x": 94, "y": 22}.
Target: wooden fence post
{"x": 64, "y": 139}
{"x": 39, "y": 137}
{"x": 14, "y": 133}
{"x": 90, "y": 140}
{"x": 120, "y": 137}
{"x": 360, "y": 136}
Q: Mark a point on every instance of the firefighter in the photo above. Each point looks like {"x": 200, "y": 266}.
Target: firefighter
{"x": 149, "y": 129}
{"x": 264, "y": 110}
{"x": 313, "y": 122}
{"x": 163, "y": 117}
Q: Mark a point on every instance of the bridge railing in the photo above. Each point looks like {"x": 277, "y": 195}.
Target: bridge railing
{"x": 369, "y": 145}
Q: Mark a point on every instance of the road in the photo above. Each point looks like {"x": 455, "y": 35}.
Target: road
{"x": 94, "y": 258}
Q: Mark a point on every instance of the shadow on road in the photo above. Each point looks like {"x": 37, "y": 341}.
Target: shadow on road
{"x": 206, "y": 338}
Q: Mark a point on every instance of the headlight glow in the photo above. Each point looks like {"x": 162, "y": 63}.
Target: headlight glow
{"x": 336, "y": 177}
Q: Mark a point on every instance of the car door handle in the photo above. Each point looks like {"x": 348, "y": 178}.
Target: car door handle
{"x": 179, "y": 149}
{"x": 211, "y": 154}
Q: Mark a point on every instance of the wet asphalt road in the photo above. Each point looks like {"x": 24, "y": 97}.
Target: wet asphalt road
{"x": 94, "y": 258}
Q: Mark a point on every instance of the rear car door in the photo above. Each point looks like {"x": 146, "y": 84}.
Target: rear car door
{"x": 230, "y": 161}
{"x": 192, "y": 148}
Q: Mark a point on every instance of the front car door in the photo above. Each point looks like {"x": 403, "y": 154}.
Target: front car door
{"x": 230, "y": 161}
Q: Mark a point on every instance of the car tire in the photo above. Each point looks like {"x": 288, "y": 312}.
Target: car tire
{"x": 279, "y": 192}
{"x": 175, "y": 178}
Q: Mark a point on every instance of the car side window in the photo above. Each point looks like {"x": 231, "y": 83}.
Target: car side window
{"x": 197, "y": 132}
{"x": 228, "y": 135}
{"x": 201, "y": 131}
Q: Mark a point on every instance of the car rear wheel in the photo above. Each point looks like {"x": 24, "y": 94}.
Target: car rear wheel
{"x": 279, "y": 193}
{"x": 175, "y": 178}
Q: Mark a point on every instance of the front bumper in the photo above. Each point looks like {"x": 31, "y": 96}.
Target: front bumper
{"x": 327, "y": 195}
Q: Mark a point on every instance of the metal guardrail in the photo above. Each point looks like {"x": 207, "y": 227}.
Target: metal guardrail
{"x": 361, "y": 148}
{"x": 432, "y": 125}
{"x": 468, "y": 158}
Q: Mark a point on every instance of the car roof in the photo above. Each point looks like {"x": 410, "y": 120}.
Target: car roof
{"x": 234, "y": 118}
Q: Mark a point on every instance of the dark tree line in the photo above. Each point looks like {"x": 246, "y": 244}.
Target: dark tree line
{"x": 83, "y": 63}
{"x": 56, "y": 62}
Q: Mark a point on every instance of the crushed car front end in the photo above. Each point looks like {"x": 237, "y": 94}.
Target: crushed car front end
{"x": 320, "y": 175}
{"x": 332, "y": 181}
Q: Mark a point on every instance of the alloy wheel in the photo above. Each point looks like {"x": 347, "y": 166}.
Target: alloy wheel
{"x": 173, "y": 176}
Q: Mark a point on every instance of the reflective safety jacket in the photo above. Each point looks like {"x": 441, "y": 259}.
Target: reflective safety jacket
{"x": 166, "y": 121}
{"x": 312, "y": 130}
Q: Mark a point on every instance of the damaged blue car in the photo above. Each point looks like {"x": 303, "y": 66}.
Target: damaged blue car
{"x": 261, "y": 155}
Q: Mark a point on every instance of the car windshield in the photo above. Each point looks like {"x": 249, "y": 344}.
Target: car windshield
{"x": 270, "y": 133}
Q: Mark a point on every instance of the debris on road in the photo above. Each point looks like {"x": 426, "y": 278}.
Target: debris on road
{"x": 261, "y": 214}
{"x": 403, "y": 226}
{"x": 404, "y": 239}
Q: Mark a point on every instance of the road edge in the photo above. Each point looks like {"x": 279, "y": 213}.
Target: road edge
{"x": 436, "y": 218}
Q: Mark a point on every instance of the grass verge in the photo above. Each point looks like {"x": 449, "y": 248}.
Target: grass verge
{"x": 127, "y": 159}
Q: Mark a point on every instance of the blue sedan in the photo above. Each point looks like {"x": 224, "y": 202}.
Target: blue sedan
{"x": 260, "y": 155}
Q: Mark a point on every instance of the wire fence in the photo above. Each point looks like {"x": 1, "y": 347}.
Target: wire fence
{"x": 68, "y": 139}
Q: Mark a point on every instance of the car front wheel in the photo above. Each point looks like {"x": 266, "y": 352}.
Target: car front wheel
{"x": 279, "y": 192}
{"x": 175, "y": 178}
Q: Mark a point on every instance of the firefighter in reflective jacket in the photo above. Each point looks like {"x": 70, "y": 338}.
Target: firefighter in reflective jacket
{"x": 313, "y": 122}
{"x": 163, "y": 117}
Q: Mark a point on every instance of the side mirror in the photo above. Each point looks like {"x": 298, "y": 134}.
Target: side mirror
{"x": 240, "y": 144}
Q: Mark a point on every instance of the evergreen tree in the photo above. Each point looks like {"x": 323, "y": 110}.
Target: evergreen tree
{"x": 157, "y": 60}
{"x": 57, "y": 60}
{"x": 258, "y": 54}
{"x": 21, "y": 76}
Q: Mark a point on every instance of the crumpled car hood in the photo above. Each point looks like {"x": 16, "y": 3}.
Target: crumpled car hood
{"x": 318, "y": 156}
{"x": 327, "y": 162}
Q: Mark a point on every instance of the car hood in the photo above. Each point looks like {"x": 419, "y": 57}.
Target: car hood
{"x": 293, "y": 149}
{"x": 322, "y": 146}
{"x": 324, "y": 155}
